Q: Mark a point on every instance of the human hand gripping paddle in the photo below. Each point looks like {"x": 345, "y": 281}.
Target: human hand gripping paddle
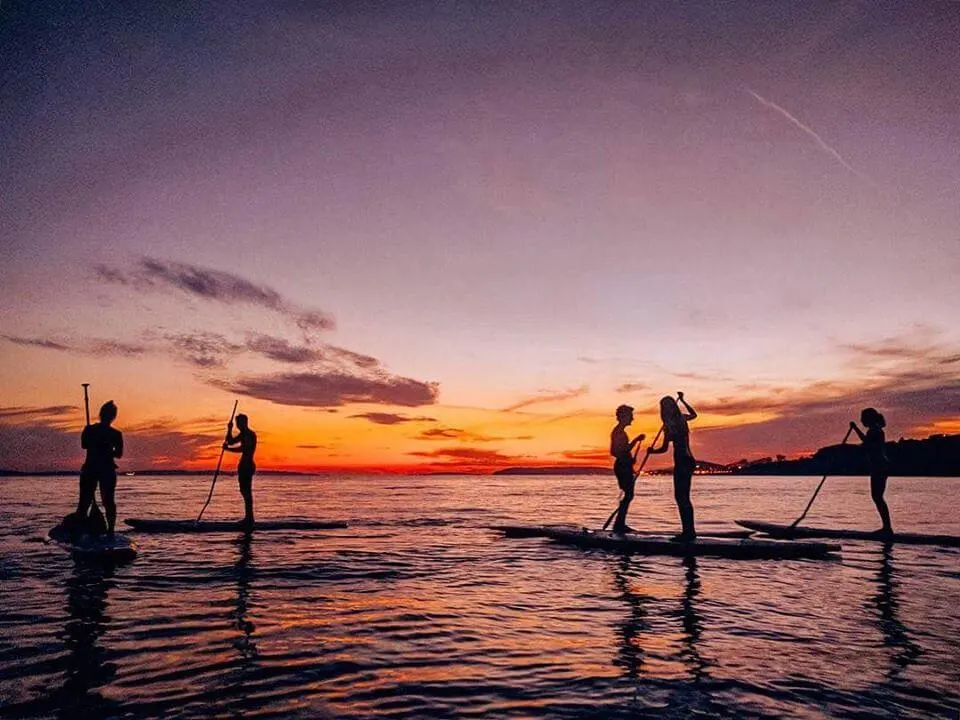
{"x": 822, "y": 480}
{"x": 216, "y": 472}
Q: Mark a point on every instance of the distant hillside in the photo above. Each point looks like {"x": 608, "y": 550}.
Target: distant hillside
{"x": 937, "y": 456}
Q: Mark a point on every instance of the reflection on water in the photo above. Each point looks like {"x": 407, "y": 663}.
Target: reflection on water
{"x": 903, "y": 651}
{"x": 88, "y": 668}
{"x": 692, "y": 622}
{"x": 244, "y": 574}
{"x": 419, "y": 610}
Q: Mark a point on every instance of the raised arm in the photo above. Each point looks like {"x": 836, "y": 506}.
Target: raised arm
{"x": 691, "y": 414}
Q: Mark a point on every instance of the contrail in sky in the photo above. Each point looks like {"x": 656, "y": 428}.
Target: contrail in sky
{"x": 809, "y": 131}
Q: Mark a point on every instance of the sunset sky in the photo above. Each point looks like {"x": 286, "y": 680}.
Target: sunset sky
{"x": 424, "y": 236}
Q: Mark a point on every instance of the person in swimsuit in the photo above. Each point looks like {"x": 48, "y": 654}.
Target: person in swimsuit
{"x": 103, "y": 444}
{"x": 246, "y": 439}
{"x": 620, "y": 447}
{"x": 676, "y": 431}
{"x": 874, "y": 443}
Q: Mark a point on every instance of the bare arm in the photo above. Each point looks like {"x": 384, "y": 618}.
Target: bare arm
{"x": 691, "y": 413}
{"x": 118, "y": 448}
{"x": 853, "y": 426}
{"x": 663, "y": 446}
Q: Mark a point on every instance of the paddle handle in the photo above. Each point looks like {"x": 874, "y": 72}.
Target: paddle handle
{"x": 216, "y": 473}
{"x": 817, "y": 491}
{"x": 86, "y": 401}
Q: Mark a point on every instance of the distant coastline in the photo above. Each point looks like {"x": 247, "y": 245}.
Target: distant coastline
{"x": 935, "y": 456}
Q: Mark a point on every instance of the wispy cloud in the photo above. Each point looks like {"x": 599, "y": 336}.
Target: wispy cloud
{"x": 548, "y": 397}
{"x": 213, "y": 285}
{"x": 385, "y": 418}
{"x": 332, "y": 389}
{"x": 478, "y": 456}
{"x": 450, "y": 433}
{"x": 45, "y": 438}
{"x": 85, "y": 347}
{"x": 633, "y": 387}
{"x": 806, "y": 129}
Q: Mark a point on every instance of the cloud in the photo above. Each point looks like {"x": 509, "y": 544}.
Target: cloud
{"x": 213, "y": 285}
{"x": 633, "y": 387}
{"x": 472, "y": 455}
{"x": 96, "y": 347}
{"x": 917, "y": 387}
{"x": 384, "y": 418}
{"x": 48, "y": 438}
{"x": 281, "y": 350}
{"x": 594, "y": 455}
{"x": 548, "y": 397}
{"x": 204, "y": 350}
{"x": 809, "y": 131}
{"x": 332, "y": 389}
{"x": 47, "y": 412}
{"x": 449, "y": 433}
{"x": 36, "y": 342}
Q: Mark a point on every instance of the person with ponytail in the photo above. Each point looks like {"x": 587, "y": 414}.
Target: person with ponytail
{"x": 874, "y": 444}
{"x": 675, "y": 431}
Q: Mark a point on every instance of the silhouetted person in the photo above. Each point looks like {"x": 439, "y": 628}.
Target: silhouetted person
{"x": 620, "y": 447}
{"x": 247, "y": 441}
{"x": 103, "y": 444}
{"x": 874, "y": 443}
{"x": 675, "y": 431}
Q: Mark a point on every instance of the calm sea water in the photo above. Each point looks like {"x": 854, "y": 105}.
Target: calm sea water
{"x": 418, "y": 610}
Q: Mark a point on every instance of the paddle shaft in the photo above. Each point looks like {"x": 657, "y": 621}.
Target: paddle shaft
{"x": 86, "y": 401}
{"x": 635, "y": 475}
{"x": 817, "y": 491}
{"x": 216, "y": 473}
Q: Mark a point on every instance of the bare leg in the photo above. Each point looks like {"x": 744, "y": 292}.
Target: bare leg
{"x": 878, "y": 485}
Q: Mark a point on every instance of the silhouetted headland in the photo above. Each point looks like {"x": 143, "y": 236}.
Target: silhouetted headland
{"x": 936, "y": 456}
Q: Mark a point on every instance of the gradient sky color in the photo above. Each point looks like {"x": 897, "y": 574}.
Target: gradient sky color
{"x": 457, "y": 235}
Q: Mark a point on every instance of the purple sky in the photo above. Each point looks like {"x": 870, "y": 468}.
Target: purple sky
{"x": 746, "y": 201}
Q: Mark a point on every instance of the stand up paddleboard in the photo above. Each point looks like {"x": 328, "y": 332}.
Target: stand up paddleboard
{"x": 520, "y": 531}
{"x": 787, "y": 532}
{"x": 740, "y": 549}
{"x": 192, "y": 526}
{"x": 118, "y": 548}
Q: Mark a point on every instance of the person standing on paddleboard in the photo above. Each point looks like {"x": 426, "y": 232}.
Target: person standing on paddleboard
{"x": 103, "y": 444}
{"x": 620, "y": 447}
{"x": 676, "y": 431}
{"x": 247, "y": 441}
{"x": 874, "y": 443}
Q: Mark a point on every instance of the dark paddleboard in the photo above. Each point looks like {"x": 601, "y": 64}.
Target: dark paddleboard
{"x": 191, "y": 526}
{"x": 789, "y": 533}
{"x": 517, "y": 531}
{"x": 119, "y": 548}
{"x": 743, "y": 549}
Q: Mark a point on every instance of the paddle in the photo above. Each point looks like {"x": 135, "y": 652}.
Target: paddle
{"x": 86, "y": 401}
{"x": 635, "y": 475}
{"x": 817, "y": 491}
{"x": 216, "y": 473}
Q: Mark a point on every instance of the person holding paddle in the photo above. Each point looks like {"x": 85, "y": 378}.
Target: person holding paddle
{"x": 620, "y": 447}
{"x": 874, "y": 443}
{"x": 675, "y": 430}
{"x": 247, "y": 441}
{"x": 103, "y": 444}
